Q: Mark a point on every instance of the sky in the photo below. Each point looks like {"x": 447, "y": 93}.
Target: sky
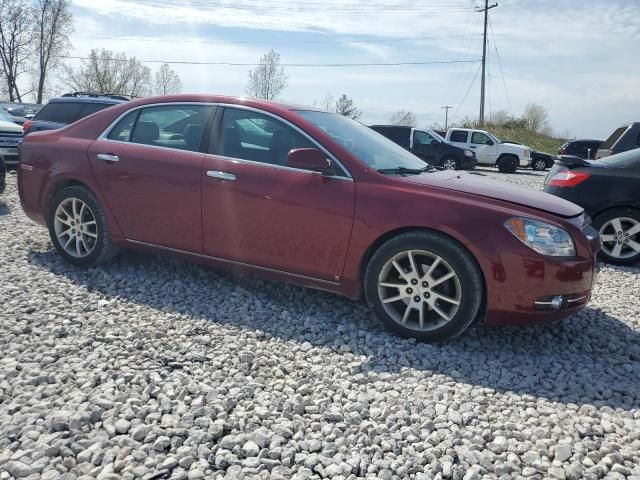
{"x": 577, "y": 58}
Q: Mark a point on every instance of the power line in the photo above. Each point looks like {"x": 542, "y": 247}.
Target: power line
{"x": 504, "y": 83}
{"x": 236, "y": 64}
{"x": 467, "y": 92}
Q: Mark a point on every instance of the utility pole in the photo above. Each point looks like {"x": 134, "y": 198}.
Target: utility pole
{"x": 486, "y": 9}
{"x": 446, "y": 109}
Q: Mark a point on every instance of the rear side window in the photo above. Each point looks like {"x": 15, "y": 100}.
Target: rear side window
{"x": 170, "y": 126}
{"x": 397, "y": 135}
{"x": 91, "y": 108}
{"x": 459, "y": 136}
{"x": 613, "y": 138}
{"x": 60, "y": 112}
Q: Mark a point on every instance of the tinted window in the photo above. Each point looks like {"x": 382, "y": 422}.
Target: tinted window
{"x": 91, "y": 108}
{"x": 60, "y": 112}
{"x": 615, "y": 136}
{"x": 122, "y": 130}
{"x": 459, "y": 136}
{"x": 422, "y": 138}
{"x": 171, "y": 126}
{"x": 253, "y": 136}
{"x": 480, "y": 138}
{"x": 397, "y": 135}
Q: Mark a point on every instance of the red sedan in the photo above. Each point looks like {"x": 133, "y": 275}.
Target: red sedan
{"x": 311, "y": 198}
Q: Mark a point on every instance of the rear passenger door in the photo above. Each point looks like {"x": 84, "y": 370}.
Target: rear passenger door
{"x": 148, "y": 168}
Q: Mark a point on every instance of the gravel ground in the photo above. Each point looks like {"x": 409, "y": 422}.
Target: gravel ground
{"x": 154, "y": 368}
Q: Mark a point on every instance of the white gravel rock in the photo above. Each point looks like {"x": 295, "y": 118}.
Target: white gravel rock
{"x": 152, "y": 367}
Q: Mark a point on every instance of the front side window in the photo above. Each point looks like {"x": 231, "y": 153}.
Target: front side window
{"x": 422, "y": 138}
{"x": 459, "y": 136}
{"x": 480, "y": 138}
{"x": 170, "y": 126}
{"x": 250, "y": 135}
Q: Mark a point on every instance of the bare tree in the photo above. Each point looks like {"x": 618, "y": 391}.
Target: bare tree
{"x": 53, "y": 25}
{"x": 107, "y": 72}
{"x": 16, "y": 43}
{"x": 167, "y": 81}
{"x": 347, "y": 107}
{"x": 268, "y": 79}
{"x": 536, "y": 117}
{"x": 404, "y": 118}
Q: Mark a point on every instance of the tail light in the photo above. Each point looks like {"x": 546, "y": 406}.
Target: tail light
{"x": 567, "y": 178}
{"x": 26, "y": 126}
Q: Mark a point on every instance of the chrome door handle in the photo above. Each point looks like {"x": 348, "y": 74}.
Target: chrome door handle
{"x": 221, "y": 175}
{"x": 107, "y": 157}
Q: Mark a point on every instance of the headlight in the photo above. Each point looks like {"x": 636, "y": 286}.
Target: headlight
{"x": 542, "y": 237}
{"x": 469, "y": 153}
{"x": 527, "y": 153}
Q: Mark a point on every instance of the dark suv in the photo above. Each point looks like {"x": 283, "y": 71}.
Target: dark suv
{"x": 62, "y": 111}
{"x": 581, "y": 148}
{"x": 627, "y": 137}
{"x": 429, "y": 146}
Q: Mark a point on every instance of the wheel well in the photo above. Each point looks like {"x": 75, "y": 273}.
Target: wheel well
{"x": 70, "y": 182}
{"x": 507, "y": 155}
{"x": 615, "y": 207}
{"x": 399, "y": 231}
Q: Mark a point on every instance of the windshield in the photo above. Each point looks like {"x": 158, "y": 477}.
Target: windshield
{"x": 437, "y": 136}
{"x": 366, "y": 144}
{"x": 5, "y": 116}
{"x": 627, "y": 159}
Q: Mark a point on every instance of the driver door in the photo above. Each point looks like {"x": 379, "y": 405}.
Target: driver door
{"x": 424, "y": 146}
{"x": 484, "y": 147}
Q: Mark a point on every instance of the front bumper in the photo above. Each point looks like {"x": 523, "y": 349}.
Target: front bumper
{"x": 469, "y": 163}
{"x": 10, "y": 155}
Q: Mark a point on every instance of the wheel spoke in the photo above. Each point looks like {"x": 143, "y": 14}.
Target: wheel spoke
{"x": 64, "y": 210}
{"x": 84, "y": 244}
{"x": 616, "y": 224}
{"x": 421, "y": 315}
{"x": 78, "y": 245}
{"x": 392, "y": 285}
{"x": 440, "y": 312}
{"x": 90, "y": 234}
{"x": 88, "y": 224}
{"x": 400, "y": 270}
{"x": 407, "y": 312}
{"x": 66, "y": 245}
{"x": 445, "y": 298}
{"x": 412, "y": 263}
{"x": 395, "y": 299}
{"x": 442, "y": 279}
{"x": 64, "y": 221}
{"x": 617, "y": 250}
{"x": 65, "y": 232}
{"x": 82, "y": 208}
{"x": 634, "y": 245}
{"x": 608, "y": 238}
{"x": 433, "y": 266}
{"x": 634, "y": 230}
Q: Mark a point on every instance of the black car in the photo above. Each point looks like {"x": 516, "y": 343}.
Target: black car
{"x": 580, "y": 148}
{"x": 69, "y": 108}
{"x": 609, "y": 191}
{"x": 627, "y": 137}
{"x": 429, "y": 146}
{"x": 3, "y": 175}
{"x": 539, "y": 160}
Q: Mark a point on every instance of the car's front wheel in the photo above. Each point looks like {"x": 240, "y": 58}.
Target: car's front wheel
{"x": 508, "y": 164}
{"x": 620, "y": 235}
{"x": 423, "y": 285}
{"x": 450, "y": 163}
{"x": 78, "y": 228}
{"x": 539, "y": 164}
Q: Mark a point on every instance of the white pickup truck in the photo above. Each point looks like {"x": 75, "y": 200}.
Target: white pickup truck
{"x": 490, "y": 150}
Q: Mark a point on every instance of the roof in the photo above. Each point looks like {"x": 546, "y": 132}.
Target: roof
{"x": 584, "y": 140}
{"x": 108, "y": 100}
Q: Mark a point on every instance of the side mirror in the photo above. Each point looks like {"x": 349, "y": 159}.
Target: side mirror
{"x": 489, "y": 142}
{"x": 309, "y": 159}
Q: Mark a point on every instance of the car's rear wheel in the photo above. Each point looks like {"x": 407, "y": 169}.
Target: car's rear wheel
{"x": 78, "y": 228}
{"x": 508, "y": 164}
{"x": 620, "y": 235}
{"x": 423, "y": 285}
{"x": 539, "y": 164}
{"x": 450, "y": 163}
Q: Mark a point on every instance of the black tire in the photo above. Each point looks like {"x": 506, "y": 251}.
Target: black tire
{"x": 460, "y": 260}
{"x": 507, "y": 164}
{"x": 103, "y": 250}
{"x": 539, "y": 165}
{"x": 448, "y": 160}
{"x": 606, "y": 217}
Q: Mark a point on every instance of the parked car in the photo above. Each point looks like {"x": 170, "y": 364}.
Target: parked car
{"x": 6, "y": 116}
{"x": 69, "y": 108}
{"x": 627, "y": 137}
{"x": 580, "y": 148}
{"x": 22, "y": 110}
{"x": 539, "y": 160}
{"x": 326, "y": 202}
{"x": 490, "y": 150}
{"x": 10, "y": 137}
{"x": 609, "y": 191}
{"x": 429, "y": 146}
{"x": 3, "y": 175}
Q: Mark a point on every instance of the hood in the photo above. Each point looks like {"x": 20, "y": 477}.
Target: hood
{"x": 9, "y": 127}
{"x": 499, "y": 190}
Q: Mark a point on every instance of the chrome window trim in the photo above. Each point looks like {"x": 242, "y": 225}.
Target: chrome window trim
{"x": 347, "y": 175}
{"x": 233, "y": 262}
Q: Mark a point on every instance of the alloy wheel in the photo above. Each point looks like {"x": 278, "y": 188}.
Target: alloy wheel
{"x": 449, "y": 164}
{"x": 75, "y": 227}
{"x": 419, "y": 290}
{"x": 539, "y": 165}
{"x": 621, "y": 237}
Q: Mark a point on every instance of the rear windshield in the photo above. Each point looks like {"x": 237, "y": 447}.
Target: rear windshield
{"x": 613, "y": 138}
{"x": 68, "y": 112}
{"x": 628, "y": 159}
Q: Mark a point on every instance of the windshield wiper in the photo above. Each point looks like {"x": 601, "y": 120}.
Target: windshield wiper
{"x": 405, "y": 170}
